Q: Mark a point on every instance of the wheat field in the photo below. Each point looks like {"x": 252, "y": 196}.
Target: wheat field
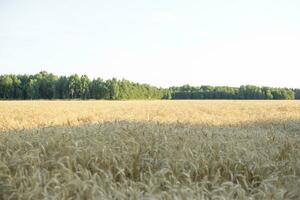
{"x": 149, "y": 149}
{"x": 17, "y": 115}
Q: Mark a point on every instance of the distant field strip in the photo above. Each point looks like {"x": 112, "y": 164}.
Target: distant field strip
{"x": 16, "y": 115}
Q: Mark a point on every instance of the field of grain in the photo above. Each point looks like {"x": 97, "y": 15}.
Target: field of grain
{"x": 16, "y": 115}
{"x": 149, "y": 149}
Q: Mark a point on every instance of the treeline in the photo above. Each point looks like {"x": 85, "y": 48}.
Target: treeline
{"x": 46, "y": 85}
{"x": 242, "y": 92}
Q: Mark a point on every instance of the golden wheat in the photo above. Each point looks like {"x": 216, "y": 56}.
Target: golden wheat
{"x": 31, "y": 114}
{"x": 150, "y": 150}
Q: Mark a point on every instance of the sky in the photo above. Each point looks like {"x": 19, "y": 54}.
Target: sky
{"x": 160, "y": 42}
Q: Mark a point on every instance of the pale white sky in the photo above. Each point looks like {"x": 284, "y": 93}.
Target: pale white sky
{"x": 164, "y": 43}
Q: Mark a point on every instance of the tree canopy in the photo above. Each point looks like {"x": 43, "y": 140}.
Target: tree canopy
{"x": 44, "y": 85}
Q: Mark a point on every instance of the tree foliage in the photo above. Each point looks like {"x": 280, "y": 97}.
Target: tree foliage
{"x": 224, "y": 92}
{"x": 44, "y": 85}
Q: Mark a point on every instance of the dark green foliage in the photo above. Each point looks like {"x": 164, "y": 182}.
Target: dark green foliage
{"x": 45, "y": 85}
{"x": 243, "y": 92}
{"x": 6, "y": 87}
{"x": 124, "y": 89}
{"x": 74, "y": 86}
{"x": 297, "y": 93}
{"x": 84, "y": 87}
{"x": 99, "y": 89}
{"x": 114, "y": 90}
{"x": 62, "y": 88}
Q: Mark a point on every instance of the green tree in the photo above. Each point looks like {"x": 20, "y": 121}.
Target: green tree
{"x": 6, "y": 87}
{"x": 84, "y": 87}
{"x": 74, "y": 86}
{"x": 99, "y": 89}
{"x": 114, "y": 89}
{"x": 62, "y": 88}
{"x": 46, "y": 85}
{"x": 16, "y": 89}
{"x": 32, "y": 89}
{"x": 297, "y": 93}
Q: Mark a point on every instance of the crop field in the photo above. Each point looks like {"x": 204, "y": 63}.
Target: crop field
{"x": 217, "y": 149}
